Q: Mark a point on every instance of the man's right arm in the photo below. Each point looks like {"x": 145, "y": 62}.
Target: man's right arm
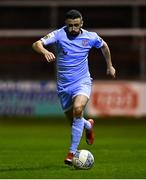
{"x": 38, "y": 47}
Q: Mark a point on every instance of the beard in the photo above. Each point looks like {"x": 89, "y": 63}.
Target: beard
{"x": 74, "y": 33}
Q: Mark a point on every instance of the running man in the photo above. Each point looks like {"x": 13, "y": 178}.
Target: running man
{"x": 74, "y": 82}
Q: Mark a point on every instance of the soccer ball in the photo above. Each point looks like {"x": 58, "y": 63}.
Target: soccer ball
{"x": 83, "y": 159}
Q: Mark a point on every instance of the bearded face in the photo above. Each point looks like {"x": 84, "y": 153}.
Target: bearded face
{"x": 74, "y": 26}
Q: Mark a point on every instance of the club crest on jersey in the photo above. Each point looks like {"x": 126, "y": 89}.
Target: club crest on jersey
{"x": 85, "y": 42}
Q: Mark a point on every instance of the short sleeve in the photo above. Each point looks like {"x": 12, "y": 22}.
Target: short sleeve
{"x": 49, "y": 38}
{"x": 98, "y": 43}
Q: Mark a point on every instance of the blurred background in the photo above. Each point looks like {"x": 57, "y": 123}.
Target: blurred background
{"x": 27, "y": 81}
{"x": 34, "y": 134}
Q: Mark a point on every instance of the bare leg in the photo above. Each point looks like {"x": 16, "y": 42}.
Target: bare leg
{"x": 79, "y": 103}
{"x": 76, "y": 116}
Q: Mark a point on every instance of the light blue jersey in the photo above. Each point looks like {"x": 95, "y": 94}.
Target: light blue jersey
{"x": 72, "y": 54}
{"x": 73, "y": 76}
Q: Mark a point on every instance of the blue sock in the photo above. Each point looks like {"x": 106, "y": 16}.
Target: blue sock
{"x": 87, "y": 124}
{"x": 77, "y": 131}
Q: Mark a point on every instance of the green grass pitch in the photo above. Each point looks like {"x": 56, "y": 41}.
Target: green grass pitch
{"x": 35, "y": 149}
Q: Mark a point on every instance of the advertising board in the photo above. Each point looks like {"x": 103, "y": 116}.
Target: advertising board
{"x": 29, "y": 98}
{"x": 118, "y": 98}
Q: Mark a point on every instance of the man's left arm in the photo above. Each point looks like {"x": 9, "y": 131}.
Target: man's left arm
{"x": 107, "y": 55}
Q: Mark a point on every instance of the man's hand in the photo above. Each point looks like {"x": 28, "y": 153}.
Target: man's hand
{"x": 111, "y": 71}
{"x": 49, "y": 56}
{"x": 38, "y": 47}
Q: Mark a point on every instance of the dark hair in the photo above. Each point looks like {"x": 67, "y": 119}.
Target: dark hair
{"x": 73, "y": 14}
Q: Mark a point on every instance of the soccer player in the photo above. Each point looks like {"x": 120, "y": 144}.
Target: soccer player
{"x": 74, "y": 82}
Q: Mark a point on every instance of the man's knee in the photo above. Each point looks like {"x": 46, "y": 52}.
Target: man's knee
{"x": 78, "y": 111}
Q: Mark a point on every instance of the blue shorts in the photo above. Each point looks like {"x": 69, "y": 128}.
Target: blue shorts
{"x": 66, "y": 94}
